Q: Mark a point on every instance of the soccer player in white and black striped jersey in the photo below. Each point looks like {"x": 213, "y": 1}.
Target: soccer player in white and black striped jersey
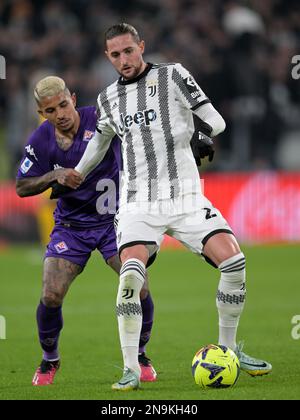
{"x": 150, "y": 107}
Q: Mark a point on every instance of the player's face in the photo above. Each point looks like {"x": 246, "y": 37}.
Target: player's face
{"x": 126, "y": 55}
{"x": 60, "y": 110}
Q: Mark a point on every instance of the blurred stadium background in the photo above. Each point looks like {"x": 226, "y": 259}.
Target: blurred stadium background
{"x": 241, "y": 54}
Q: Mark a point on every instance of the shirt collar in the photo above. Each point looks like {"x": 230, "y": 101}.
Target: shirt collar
{"x": 122, "y": 81}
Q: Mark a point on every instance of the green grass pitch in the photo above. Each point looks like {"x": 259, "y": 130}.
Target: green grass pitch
{"x": 183, "y": 288}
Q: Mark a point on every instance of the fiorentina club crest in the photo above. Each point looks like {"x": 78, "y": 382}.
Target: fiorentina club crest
{"x": 61, "y": 247}
{"x": 88, "y": 135}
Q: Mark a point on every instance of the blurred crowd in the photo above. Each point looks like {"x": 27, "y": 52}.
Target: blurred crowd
{"x": 239, "y": 51}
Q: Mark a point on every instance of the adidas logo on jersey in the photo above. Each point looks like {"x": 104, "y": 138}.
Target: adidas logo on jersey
{"x": 141, "y": 117}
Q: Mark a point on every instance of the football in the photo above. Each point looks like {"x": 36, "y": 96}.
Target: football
{"x": 215, "y": 366}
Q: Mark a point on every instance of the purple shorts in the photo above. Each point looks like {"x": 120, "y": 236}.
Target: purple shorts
{"x": 76, "y": 245}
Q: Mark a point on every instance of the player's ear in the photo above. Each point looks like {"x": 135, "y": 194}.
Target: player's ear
{"x": 74, "y": 99}
{"x": 40, "y": 112}
{"x": 142, "y": 46}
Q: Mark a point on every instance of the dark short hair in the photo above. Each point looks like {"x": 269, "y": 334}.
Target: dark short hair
{"x": 121, "y": 29}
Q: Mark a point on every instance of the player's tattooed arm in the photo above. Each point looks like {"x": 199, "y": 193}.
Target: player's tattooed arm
{"x": 36, "y": 185}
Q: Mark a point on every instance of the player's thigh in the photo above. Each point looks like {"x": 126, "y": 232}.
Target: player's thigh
{"x": 195, "y": 229}
{"x": 138, "y": 235}
{"x": 107, "y": 246}
{"x": 58, "y": 274}
{"x": 74, "y": 245}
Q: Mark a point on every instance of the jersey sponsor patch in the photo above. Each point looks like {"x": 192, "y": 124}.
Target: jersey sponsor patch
{"x": 193, "y": 87}
{"x": 61, "y": 247}
{"x": 88, "y": 135}
{"x": 26, "y": 165}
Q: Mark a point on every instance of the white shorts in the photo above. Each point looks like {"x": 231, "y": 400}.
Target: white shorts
{"x": 193, "y": 228}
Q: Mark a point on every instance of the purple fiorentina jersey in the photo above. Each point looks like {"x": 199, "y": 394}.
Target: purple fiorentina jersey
{"x": 79, "y": 208}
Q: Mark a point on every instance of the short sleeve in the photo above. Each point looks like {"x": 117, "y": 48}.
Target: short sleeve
{"x": 105, "y": 124}
{"x": 187, "y": 89}
{"x": 35, "y": 161}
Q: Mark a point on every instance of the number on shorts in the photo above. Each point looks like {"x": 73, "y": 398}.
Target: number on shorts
{"x": 208, "y": 213}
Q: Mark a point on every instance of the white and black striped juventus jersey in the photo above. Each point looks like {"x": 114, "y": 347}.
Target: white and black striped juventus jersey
{"x": 152, "y": 116}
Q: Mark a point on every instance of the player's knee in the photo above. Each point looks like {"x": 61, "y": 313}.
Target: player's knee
{"x": 221, "y": 247}
{"x": 52, "y": 299}
{"x": 145, "y": 289}
{"x": 139, "y": 252}
{"x": 114, "y": 263}
{"x": 144, "y": 292}
{"x": 233, "y": 264}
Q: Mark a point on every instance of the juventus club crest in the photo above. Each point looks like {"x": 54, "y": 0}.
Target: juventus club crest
{"x": 152, "y": 88}
{"x": 128, "y": 293}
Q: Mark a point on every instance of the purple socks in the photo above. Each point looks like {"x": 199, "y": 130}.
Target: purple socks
{"x": 148, "y": 310}
{"x": 50, "y": 323}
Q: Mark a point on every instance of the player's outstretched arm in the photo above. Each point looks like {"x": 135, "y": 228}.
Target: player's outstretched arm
{"x": 36, "y": 185}
{"x": 95, "y": 152}
{"x": 211, "y": 122}
{"x": 192, "y": 97}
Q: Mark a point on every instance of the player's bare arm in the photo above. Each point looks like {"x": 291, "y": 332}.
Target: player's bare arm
{"x": 36, "y": 185}
{"x": 94, "y": 153}
{"x": 211, "y": 122}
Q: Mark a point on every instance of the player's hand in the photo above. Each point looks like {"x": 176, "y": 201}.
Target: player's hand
{"x": 69, "y": 178}
{"x": 59, "y": 190}
{"x": 202, "y": 147}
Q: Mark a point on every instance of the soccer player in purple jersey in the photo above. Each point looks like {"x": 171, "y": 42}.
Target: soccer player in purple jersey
{"x": 83, "y": 217}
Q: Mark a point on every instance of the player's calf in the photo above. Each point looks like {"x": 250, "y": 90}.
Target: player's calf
{"x": 129, "y": 311}
{"x": 231, "y": 298}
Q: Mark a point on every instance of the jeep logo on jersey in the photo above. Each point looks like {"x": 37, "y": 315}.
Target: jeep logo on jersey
{"x": 141, "y": 117}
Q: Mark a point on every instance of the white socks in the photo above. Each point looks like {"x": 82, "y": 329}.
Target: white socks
{"x": 129, "y": 311}
{"x": 231, "y": 298}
